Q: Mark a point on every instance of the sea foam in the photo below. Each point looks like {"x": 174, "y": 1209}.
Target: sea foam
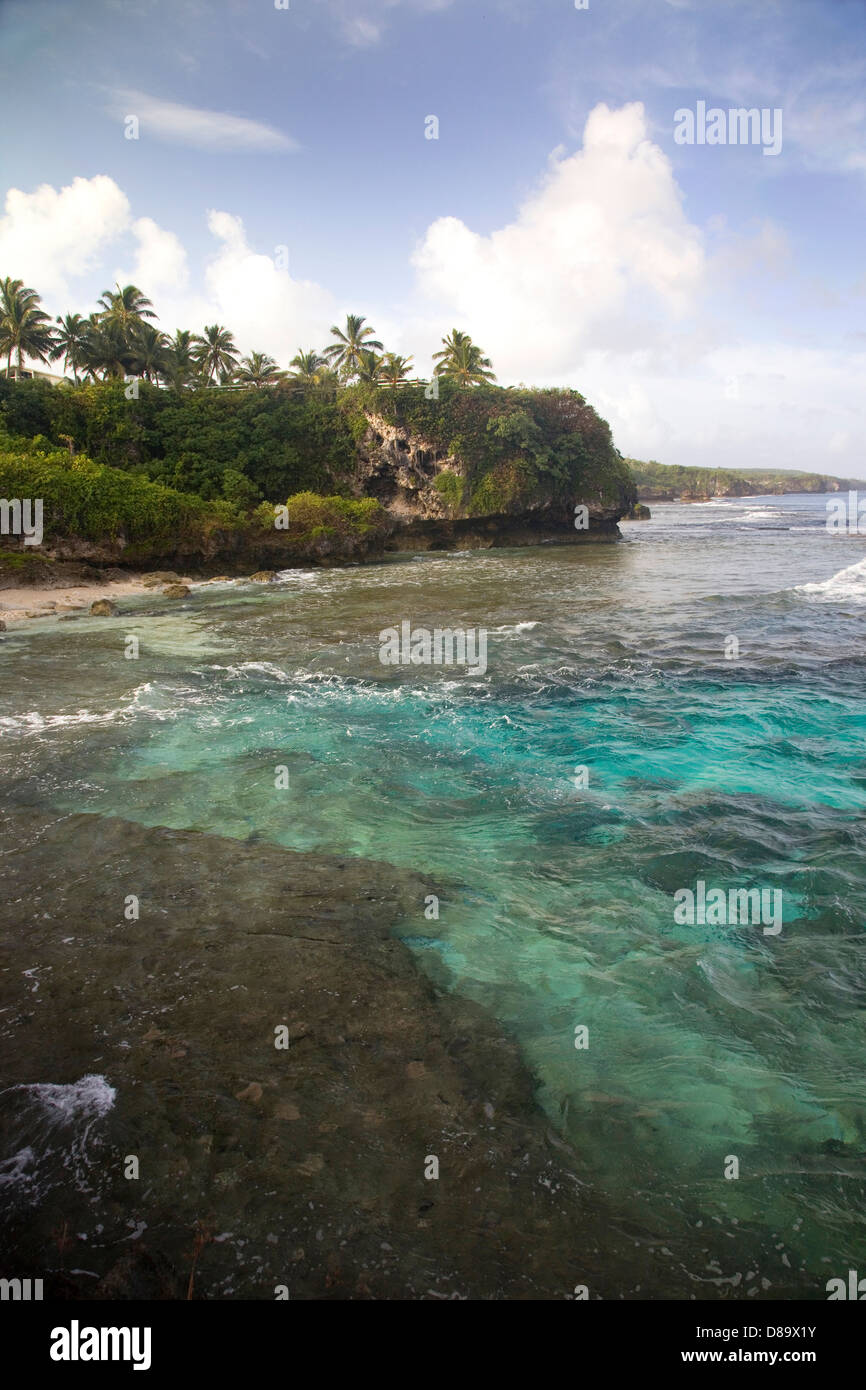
{"x": 849, "y": 585}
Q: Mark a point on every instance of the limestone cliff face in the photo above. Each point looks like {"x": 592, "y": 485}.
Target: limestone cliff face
{"x": 400, "y": 470}
{"x": 423, "y": 489}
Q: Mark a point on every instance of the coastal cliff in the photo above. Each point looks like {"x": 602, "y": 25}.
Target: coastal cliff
{"x": 660, "y": 482}
{"x": 263, "y": 478}
{"x": 443, "y": 500}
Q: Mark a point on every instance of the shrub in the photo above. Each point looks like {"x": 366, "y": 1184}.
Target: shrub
{"x": 86, "y": 499}
{"x": 310, "y": 515}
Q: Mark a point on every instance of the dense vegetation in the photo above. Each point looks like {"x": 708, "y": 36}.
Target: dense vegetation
{"x": 93, "y": 501}
{"x": 244, "y": 446}
{"x": 662, "y": 482}
{"x": 90, "y": 500}
{"x": 161, "y": 435}
{"x": 517, "y": 447}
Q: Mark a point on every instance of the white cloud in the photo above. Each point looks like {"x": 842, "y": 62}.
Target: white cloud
{"x": 264, "y": 307}
{"x": 189, "y": 125}
{"x": 603, "y": 244}
{"x": 160, "y": 260}
{"x": 48, "y": 237}
{"x": 750, "y": 405}
{"x": 51, "y": 239}
{"x": 600, "y": 282}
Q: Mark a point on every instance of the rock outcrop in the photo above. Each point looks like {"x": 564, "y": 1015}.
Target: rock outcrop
{"x": 400, "y": 471}
{"x": 419, "y": 484}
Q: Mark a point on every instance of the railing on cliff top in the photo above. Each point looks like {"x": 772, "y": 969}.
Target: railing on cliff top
{"x": 306, "y": 386}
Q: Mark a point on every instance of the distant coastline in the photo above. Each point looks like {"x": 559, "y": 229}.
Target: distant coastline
{"x": 659, "y": 482}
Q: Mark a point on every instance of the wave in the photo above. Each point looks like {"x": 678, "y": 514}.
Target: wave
{"x": 298, "y": 576}
{"x": 848, "y": 586}
{"x": 49, "y": 1127}
{"x": 513, "y": 629}
{"x": 259, "y": 668}
{"x": 32, "y": 722}
{"x": 86, "y": 1100}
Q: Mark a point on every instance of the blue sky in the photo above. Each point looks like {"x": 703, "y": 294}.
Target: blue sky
{"x": 709, "y": 300}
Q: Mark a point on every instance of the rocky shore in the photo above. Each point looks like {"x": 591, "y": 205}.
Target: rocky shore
{"x": 286, "y": 1079}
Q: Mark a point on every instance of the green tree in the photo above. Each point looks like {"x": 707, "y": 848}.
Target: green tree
{"x": 395, "y": 369}
{"x": 24, "y": 328}
{"x": 462, "y": 361}
{"x": 149, "y": 352}
{"x": 128, "y": 308}
{"x": 239, "y": 489}
{"x": 369, "y": 366}
{"x": 216, "y": 353}
{"x": 106, "y": 349}
{"x": 182, "y": 367}
{"x": 345, "y": 352}
{"x": 258, "y": 370}
{"x": 70, "y": 342}
{"x": 308, "y": 367}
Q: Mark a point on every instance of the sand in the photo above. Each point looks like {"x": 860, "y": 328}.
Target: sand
{"x": 27, "y": 601}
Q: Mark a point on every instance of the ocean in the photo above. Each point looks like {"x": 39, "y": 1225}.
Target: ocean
{"x": 686, "y": 707}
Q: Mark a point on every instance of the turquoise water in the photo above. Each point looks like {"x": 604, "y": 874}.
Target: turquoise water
{"x": 556, "y": 900}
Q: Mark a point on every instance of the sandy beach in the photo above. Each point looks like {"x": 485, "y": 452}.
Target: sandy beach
{"x": 39, "y": 601}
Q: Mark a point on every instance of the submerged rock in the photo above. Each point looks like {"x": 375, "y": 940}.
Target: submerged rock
{"x": 159, "y": 577}
{"x": 390, "y": 1145}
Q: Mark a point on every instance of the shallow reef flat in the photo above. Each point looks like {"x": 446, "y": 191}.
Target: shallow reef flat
{"x": 260, "y": 1166}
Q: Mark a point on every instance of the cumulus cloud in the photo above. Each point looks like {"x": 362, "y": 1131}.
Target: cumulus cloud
{"x": 48, "y": 237}
{"x": 266, "y": 309}
{"x": 601, "y": 282}
{"x": 54, "y": 238}
{"x": 160, "y": 260}
{"x": 189, "y": 125}
{"x": 602, "y": 244}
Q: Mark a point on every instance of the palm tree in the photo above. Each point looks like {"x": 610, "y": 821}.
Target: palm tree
{"x": 126, "y": 307}
{"x": 326, "y": 383}
{"x": 462, "y": 361}
{"x": 344, "y": 353}
{"x": 369, "y": 366}
{"x": 395, "y": 369}
{"x": 258, "y": 370}
{"x": 150, "y": 352}
{"x": 309, "y": 367}
{"x": 106, "y": 349}
{"x": 70, "y": 342}
{"x": 215, "y": 353}
{"x": 182, "y": 367}
{"x": 24, "y": 328}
